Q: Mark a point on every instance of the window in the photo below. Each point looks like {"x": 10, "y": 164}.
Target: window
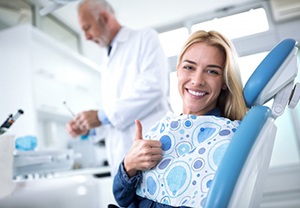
{"x": 238, "y": 25}
{"x": 249, "y": 63}
{"x": 173, "y": 40}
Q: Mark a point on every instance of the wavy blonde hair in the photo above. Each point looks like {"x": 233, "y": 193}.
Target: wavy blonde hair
{"x": 231, "y": 101}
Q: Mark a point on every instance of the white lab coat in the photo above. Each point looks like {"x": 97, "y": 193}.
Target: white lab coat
{"x": 135, "y": 85}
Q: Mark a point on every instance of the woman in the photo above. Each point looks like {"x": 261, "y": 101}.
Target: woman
{"x": 174, "y": 164}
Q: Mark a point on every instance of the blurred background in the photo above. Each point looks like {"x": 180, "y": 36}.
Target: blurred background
{"x": 46, "y": 61}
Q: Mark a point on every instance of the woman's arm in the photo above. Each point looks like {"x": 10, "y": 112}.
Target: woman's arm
{"x": 124, "y": 187}
{"x": 143, "y": 155}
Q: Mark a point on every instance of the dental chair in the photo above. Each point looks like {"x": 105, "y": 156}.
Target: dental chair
{"x": 240, "y": 177}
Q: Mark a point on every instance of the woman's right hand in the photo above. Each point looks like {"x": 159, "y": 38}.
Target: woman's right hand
{"x": 143, "y": 155}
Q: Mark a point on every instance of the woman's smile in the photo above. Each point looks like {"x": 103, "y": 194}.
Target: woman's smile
{"x": 200, "y": 78}
{"x": 196, "y": 93}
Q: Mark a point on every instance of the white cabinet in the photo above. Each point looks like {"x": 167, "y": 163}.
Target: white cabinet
{"x": 38, "y": 74}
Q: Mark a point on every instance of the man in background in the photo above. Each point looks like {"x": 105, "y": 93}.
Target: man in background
{"x": 135, "y": 82}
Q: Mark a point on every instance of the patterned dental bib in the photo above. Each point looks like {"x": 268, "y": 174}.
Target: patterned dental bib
{"x": 193, "y": 147}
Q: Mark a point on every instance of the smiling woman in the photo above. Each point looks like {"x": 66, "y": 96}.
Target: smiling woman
{"x": 208, "y": 73}
{"x": 200, "y": 79}
{"x": 181, "y": 153}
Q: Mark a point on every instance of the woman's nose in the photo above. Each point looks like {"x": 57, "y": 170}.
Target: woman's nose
{"x": 198, "y": 79}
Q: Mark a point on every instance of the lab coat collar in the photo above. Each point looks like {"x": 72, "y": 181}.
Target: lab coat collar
{"x": 122, "y": 35}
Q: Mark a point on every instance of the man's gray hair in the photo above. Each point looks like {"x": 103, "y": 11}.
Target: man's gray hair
{"x": 96, "y": 5}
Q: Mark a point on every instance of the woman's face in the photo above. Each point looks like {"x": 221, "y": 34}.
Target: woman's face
{"x": 200, "y": 78}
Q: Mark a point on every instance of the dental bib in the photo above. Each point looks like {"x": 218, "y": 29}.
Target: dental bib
{"x": 192, "y": 149}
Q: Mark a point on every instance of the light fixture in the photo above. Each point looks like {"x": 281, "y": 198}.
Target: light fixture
{"x": 54, "y": 6}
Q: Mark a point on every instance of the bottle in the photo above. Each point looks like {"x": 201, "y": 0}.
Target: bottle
{"x": 9, "y": 121}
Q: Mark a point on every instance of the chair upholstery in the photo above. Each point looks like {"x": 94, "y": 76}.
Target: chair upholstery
{"x": 239, "y": 179}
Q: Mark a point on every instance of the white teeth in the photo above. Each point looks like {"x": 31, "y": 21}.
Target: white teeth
{"x": 196, "y": 93}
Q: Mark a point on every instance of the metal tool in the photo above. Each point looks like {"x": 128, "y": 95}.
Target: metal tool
{"x": 69, "y": 109}
{"x": 9, "y": 121}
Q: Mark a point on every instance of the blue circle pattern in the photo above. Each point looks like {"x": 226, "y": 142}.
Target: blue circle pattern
{"x": 166, "y": 142}
{"x": 164, "y": 163}
{"x": 183, "y": 148}
{"x": 192, "y": 149}
{"x": 177, "y": 172}
{"x": 151, "y": 185}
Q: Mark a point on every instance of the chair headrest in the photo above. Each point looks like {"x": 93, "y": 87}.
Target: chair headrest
{"x": 263, "y": 84}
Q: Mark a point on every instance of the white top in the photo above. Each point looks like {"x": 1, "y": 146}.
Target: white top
{"x": 135, "y": 85}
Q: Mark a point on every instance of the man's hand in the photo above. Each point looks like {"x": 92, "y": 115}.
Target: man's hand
{"x": 83, "y": 122}
{"x": 143, "y": 155}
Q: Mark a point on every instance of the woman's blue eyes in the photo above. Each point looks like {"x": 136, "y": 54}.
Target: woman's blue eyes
{"x": 188, "y": 67}
{"x": 212, "y": 72}
{"x": 209, "y": 71}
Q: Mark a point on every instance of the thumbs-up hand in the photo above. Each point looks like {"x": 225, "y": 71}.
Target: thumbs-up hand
{"x": 139, "y": 130}
{"x": 143, "y": 155}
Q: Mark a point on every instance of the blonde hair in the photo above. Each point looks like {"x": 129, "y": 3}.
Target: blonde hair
{"x": 231, "y": 101}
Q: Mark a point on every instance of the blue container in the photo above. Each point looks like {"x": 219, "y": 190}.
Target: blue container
{"x": 26, "y": 143}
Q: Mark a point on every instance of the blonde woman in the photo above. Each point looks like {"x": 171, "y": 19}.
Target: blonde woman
{"x": 174, "y": 163}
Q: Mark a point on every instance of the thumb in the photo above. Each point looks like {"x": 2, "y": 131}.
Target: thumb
{"x": 138, "y": 131}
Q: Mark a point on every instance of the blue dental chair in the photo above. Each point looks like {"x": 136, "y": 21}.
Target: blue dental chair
{"x": 239, "y": 180}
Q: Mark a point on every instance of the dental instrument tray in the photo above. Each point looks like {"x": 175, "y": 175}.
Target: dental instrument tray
{"x": 42, "y": 162}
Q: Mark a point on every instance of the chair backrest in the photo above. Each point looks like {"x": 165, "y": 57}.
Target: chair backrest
{"x": 239, "y": 179}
